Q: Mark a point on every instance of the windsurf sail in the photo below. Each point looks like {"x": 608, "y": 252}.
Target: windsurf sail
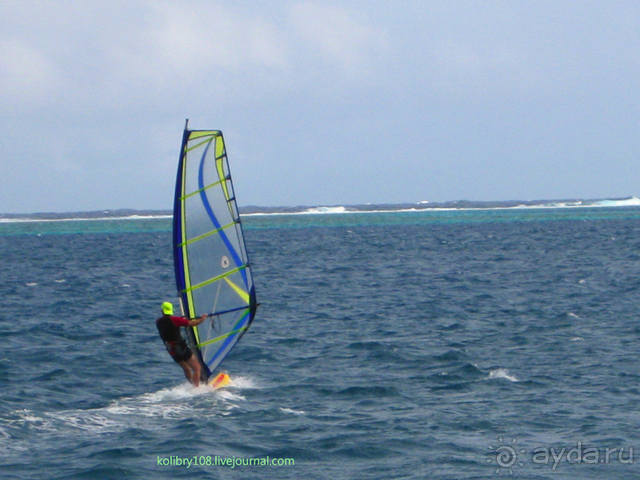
{"x": 213, "y": 274}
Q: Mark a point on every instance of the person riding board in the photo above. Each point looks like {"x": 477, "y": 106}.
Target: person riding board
{"x": 169, "y": 330}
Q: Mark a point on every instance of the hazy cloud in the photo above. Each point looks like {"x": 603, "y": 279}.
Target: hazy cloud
{"x": 27, "y": 76}
{"x": 321, "y": 102}
{"x": 338, "y": 36}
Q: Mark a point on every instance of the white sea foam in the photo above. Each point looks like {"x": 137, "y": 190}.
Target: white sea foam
{"x": 29, "y": 416}
{"x": 324, "y": 210}
{"x": 230, "y": 395}
{"x": 503, "y": 373}
{"x": 241, "y": 382}
{"x": 627, "y": 202}
{"x": 80, "y": 219}
{"x": 328, "y": 210}
{"x": 89, "y": 420}
{"x": 177, "y": 402}
{"x": 292, "y": 411}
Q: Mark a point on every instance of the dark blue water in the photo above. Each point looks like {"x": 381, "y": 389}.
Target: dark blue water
{"x": 446, "y": 345}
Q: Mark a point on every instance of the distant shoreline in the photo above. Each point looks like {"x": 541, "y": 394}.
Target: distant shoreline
{"x": 337, "y": 209}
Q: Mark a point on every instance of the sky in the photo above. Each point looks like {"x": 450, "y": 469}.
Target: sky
{"x": 320, "y": 102}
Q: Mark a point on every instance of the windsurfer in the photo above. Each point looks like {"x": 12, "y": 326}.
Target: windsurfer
{"x": 169, "y": 329}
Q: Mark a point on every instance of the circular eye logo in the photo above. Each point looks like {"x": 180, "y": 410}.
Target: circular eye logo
{"x": 224, "y": 262}
{"x": 505, "y": 456}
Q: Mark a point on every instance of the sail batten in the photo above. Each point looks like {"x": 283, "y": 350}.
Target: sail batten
{"x": 206, "y": 187}
{"x": 210, "y": 256}
{"x": 209, "y": 233}
{"x": 214, "y": 279}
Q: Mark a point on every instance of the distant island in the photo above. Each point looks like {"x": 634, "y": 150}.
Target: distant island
{"x": 319, "y": 209}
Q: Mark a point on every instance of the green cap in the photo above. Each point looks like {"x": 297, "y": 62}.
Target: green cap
{"x": 167, "y": 308}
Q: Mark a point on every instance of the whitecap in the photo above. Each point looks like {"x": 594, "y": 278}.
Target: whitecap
{"x": 291, "y": 410}
{"x": 30, "y": 418}
{"x": 174, "y": 403}
{"x": 88, "y": 420}
{"x": 229, "y": 395}
{"x": 243, "y": 382}
{"x": 503, "y": 373}
{"x": 325, "y": 210}
{"x": 622, "y": 202}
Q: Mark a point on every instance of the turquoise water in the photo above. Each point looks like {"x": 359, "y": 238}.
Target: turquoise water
{"x": 270, "y": 221}
{"x": 445, "y": 345}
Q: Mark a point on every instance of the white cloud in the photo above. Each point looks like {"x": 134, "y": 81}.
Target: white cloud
{"x": 177, "y": 46}
{"x": 338, "y": 36}
{"x": 216, "y": 49}
{"x": 25, "y": 72}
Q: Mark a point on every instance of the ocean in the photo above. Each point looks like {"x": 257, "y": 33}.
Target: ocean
{"x": 440, "y": 344}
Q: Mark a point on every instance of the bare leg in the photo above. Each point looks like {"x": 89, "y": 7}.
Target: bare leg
{"x": 195, "y": 367}
{"x": 187, "y": 370}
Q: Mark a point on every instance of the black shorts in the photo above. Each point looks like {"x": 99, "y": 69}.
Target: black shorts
{"x": 179, "y": 351}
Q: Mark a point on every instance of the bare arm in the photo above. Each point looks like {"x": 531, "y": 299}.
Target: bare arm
{"x": 197, "y": 321}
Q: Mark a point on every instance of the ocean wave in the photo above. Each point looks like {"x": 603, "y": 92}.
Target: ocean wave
{"x": 325, "y": 210}
{"x": 421, "y": 206}
{"x": 426, "y": 206}
{"x": 504, "y": 374}
{"x": 69, "y": 217}
{"x": 628, "y": 202}
{"x": 292, "y": 411}
{"x": 179, "y": 402}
